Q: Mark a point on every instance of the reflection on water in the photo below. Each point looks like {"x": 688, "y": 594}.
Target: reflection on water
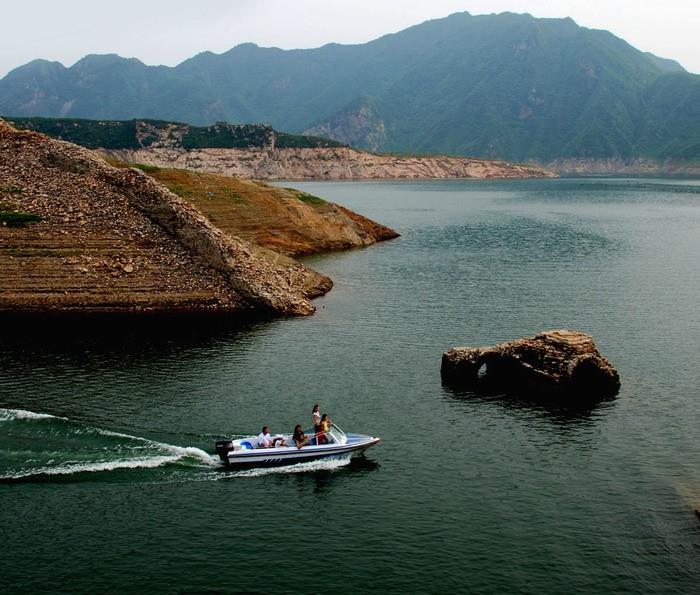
{"x": 323, "y": 480}
{"x": 119, "y": 334}
{"x": 559, "y": 410}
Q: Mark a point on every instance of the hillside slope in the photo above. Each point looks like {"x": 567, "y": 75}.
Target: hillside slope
{"x": 285, "y": 221}
{"x": 77, "y": 234}
{"x": 504, "y": 86}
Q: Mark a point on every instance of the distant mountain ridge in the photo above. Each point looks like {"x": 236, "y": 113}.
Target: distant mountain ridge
{"x": 506, "y": 86}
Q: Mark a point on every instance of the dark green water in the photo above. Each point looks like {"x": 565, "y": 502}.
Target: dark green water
{"x": 468, "y": 493}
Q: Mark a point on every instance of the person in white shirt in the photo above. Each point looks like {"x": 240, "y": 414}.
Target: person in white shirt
{"x": 265, "y": 440}
{"x": 316, "y": 417}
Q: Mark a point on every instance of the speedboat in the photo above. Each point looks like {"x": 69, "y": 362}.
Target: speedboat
{"x": 245, "y": 451}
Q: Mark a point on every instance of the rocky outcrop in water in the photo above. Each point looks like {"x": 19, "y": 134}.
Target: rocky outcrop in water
{"x": 325, "y": 163}
{"x": 559, "y": 363}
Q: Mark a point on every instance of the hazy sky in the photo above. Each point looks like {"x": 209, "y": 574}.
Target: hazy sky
{"x": 169, "y": 31}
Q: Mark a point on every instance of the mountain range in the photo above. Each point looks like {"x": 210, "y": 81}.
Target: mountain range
{"x": 506, "y": 86}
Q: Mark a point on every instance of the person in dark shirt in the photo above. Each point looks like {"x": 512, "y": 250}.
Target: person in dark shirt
{"x": 299, "y": 438}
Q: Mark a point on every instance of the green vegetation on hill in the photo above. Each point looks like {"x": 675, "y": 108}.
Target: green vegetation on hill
{"x": 134, "y": 134}
{"x": 223, "y": 135}
{"x": 505, "y": 86}
{"x": 299, "y": 141}
{"x": 88, "y": 133}
{"x": 307, "y": 198}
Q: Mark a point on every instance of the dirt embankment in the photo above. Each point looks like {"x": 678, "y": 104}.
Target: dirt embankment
{"x": 284, "y": 220}
{"x": 335, "y": 163}
{"x": 111, "y": 239}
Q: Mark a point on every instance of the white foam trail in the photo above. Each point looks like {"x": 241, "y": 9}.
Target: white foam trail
{"x": 191, "y": 452}
{"x": 93, "y": 467}
{"x": 10, "y": 414}
{"x": 177, "y": 453}
{"x": 182, "y": 451}
{"x": 323, "y": 464}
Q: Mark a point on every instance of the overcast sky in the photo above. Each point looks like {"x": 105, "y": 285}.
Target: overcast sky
{"x": 169, "y": 31}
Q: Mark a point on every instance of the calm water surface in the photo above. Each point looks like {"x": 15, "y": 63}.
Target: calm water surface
{"x": 108, "y": 484}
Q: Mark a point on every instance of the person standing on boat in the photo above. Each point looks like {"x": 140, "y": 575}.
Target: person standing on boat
{"x": 325, "y": 426}
{"x": 316, "y": 420}
{"x": 316, "y": 417}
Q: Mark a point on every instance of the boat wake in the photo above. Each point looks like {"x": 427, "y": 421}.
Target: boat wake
{"x": 39, "y": 445}
{"x": 322, "y": 465}
{"x": 42, "y": 447}
{"x": 11, "y": 414}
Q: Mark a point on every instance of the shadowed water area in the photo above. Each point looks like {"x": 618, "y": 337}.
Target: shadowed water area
{"x": 108, "y": 483}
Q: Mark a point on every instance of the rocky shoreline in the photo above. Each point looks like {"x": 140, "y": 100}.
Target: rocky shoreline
{"x": 325, "y": 163}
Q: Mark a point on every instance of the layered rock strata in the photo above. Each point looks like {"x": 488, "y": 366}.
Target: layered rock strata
{"x": 335, "y": 163}
{"x": 115, "y": 240}
{"x": 558, "y": 363}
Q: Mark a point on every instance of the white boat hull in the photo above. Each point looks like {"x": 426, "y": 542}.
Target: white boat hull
{"x": 290, "y": 455}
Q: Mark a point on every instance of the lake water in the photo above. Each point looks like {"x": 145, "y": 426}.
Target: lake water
{"x": 118, "y": 491}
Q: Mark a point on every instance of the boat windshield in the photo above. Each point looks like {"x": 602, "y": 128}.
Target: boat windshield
{"x": 336, "y": 435}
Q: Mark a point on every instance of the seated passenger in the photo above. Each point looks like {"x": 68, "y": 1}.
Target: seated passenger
{"x": 265, "y": 440}
{"x": 300, "y": 439}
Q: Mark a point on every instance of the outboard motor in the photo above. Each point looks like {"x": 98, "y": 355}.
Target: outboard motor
{"x": 223, "y": 447}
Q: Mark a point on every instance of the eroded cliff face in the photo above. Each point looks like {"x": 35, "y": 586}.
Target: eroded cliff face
{"x": 113, "y": 239}
{"x": 334, "y": 163}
